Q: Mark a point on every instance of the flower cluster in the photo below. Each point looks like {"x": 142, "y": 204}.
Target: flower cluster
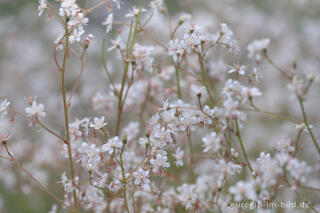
{"x": 183, "y": 117}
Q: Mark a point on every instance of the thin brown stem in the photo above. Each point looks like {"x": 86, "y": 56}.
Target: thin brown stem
{"x": 50, "y": 131}
{"x": 12, "y": 158}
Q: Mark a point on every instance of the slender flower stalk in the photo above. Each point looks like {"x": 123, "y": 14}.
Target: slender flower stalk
{"x": 129, "y": 51}
{"x": 203, "y": 78}
{"x": 65, "y": 108}
{"x": 124, "y": 179}
{"x": 13, "y": 159}
{"x": 242, "y": 147}
{"x": 314, "y": 140}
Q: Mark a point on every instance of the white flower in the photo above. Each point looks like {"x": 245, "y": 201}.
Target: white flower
{"x": 303, "y": 127}
{"x": 187, "y": 195}
{"x": 142, "y": 57}
{"x": 53, "y": 209}
{"x": 184, "y": 17}
{"x": 298, "y": 171}
{"x": 178, "y": 155}
{"x": 134, "y": 12}
{"x": 98, "y": 123}
{"x": 212, "y": 142}
{"x": 67, "y": 184}
{"x": 241, "y": 69}
{"x": 42, "y": 6}
{"x": 243, "y": 190}
{"x": 256, "y": 47}
{"x": 141, "y": 176}
{"x": 285, "y": 145}
{"x": 116, "y": 44}
{"x": 117, "y": 2}
{"x": 159, "y": 162}
{"x": 157, "y": 5}
{"x": 112, "y": 144}
{"x": 76, "y": 35}
{"x": 297, "y": 86}
{"x": 108, "y": 22}
{"x": 4, "y": 107}
{"x": 226, "y": 31}
{"x": 256, "y": 74}
{"x": 177, "y": 47}
{"x": 251, "y": 92}
{"x": 35, "y": 109}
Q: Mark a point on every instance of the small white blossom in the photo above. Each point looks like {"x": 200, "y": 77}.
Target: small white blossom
{"x": 35, "y": 109}
{"x": 98, "y": 123}
{"x": 159, "y": 162}
{"x": 256, "y": 47}
{"x": 241, "y": 69}
{"x": 4, "y": 107}
{"x": 251, "y": 92}
{"x": 112, "y": 144}
{"x": 108, "y": 22}
{"x": 303, "y": 127}
{"x": 134, "y": 12}
{"x": 54, "y": 209}
{"x": 187, "y": 195}
{"x": 178, "y": 155}
{"x": 243, "y": 190}
{"x": 212, "y": 142}
{"x": 42, "y": 6}
{"x": 141, "y": 176}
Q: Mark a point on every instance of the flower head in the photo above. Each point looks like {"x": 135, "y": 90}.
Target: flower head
{"x": 35, "y": 110}
{"x": 98, "y": 123}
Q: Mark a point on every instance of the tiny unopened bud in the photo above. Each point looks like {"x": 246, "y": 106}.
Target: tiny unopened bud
{"x": 294, "y": 65}
{"x": 148, "y": 133}
{"x": 30, "y": 100}
{"x": 124, "y": 138}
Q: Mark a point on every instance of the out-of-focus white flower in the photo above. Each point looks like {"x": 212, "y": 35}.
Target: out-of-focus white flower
{"x": 184, "y": 17}
{"x": 134, "y": 12}
{"x": 108, "y": 22}
{"x": 76, "y": 36}
{"x": 178, "y": 155}
{"x": 212, "y": 142}
{"x": 297, "y": 86}
{"x": 299, "y": 171}
{"x": 141, "y": 176}
{"x": 241, "y": 69}
{"x": 158, "y": 5}
{"x": 4, "y": 107}
{"x": 54, "y": 209}
{"x": 303, "y": 127}
{"x": 112, "y": 144}
{"x": 117, "y": 2}
{"x": 67, "y": 184}
{"x": 256, "y": 74}
{"x": 187, "y": 195}
{"x": 177, "y": 47}
{"x": 35, "y": 109}
{"x": 313, "y": 76}
{"x": 243, "y": 190}
{"x": 285, "y": 145}
{"x": 98, "y": 123}
{"x": 159, "y": 162}
{"x": 142, "y": 57}
{"x": 116, "y": 44}
{"x": 42, "y": 6}
{"x": 256, "y": 47}
{"x": 251, "y": 92}
{"x": 226, "y": 31}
